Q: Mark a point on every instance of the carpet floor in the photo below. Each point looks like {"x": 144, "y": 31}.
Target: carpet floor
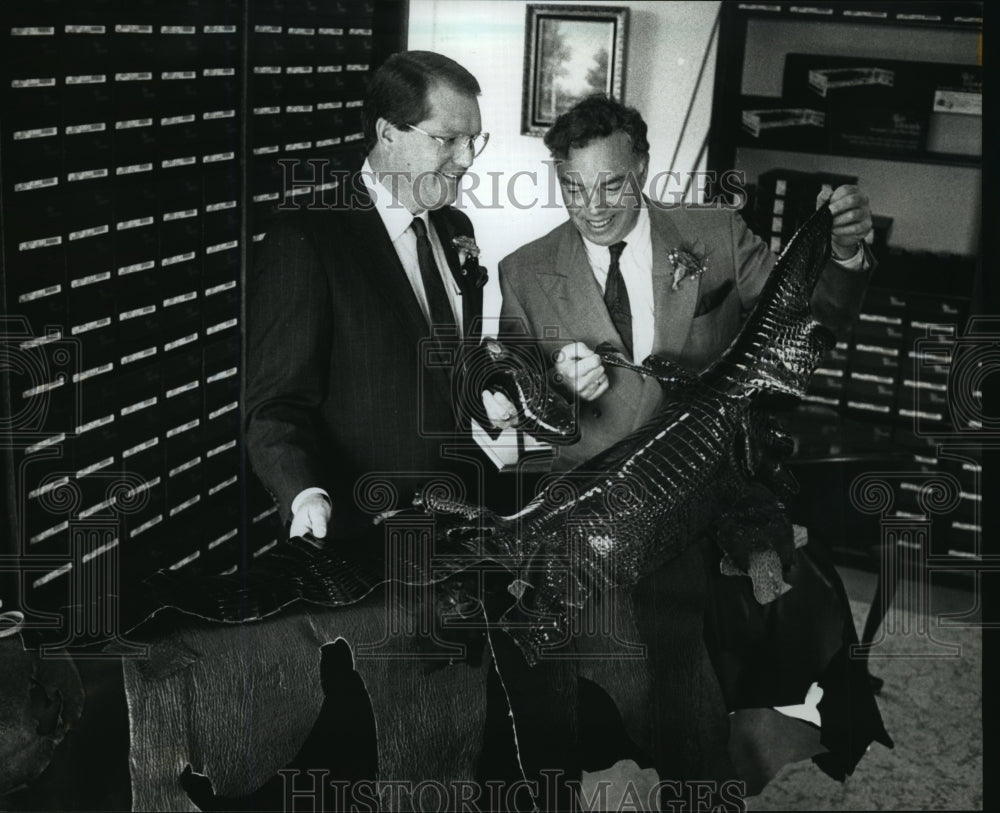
{"x": 931, "y": 704}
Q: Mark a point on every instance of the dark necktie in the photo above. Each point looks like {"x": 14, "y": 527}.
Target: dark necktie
{"x": 616, "y": 297}
{"x": 441, "y": 314}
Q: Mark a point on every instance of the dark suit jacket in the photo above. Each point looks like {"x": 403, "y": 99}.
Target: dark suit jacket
{"x": 336, "y": 384}
{"x": 550, "y": 289}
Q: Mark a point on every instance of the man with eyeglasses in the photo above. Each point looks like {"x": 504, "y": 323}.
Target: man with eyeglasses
{"x": 346, "y": 308}
{"x": 345, "y": 300}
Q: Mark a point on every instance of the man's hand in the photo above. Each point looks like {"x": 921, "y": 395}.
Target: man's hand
{"x": 499, "y": 410}
{"x": 852, "y": 218}
{"x": 580, "y": 369}
{"x": 312, "y": 517}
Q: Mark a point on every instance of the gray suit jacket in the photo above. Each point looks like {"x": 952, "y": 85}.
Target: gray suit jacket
{"x": 550, "y": 292}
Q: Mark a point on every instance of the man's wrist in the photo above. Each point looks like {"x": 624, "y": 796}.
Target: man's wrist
{"x": 838, "y": 249}
{"x": 854, "y": 262}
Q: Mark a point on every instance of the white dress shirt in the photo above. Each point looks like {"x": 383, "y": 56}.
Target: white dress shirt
{"x": 398, "y": 220}
{"x": 636, "y": 264}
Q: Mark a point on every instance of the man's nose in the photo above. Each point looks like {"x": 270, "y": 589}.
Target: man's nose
{"x": 463, "y": 154}
{"x": 594, "y": 201}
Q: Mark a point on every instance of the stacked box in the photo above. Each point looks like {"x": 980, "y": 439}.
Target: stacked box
{"x": 889, "y": 106}
{"x": 309, "y": 65}
{"x": 826, "y": 387}
{"x": 876, "y": 354}
{"x": 871, "y": 105}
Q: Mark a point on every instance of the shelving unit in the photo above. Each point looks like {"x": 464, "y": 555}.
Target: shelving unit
{"x": 139, "y": 168}
{"x": 887, "y": 390}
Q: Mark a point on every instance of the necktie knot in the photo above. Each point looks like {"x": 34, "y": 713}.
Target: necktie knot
{"x": 419, "y": 228}
{"x": 616, "y": 251}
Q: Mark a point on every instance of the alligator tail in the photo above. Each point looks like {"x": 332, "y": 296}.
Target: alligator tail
{"x": 781, "y": 343}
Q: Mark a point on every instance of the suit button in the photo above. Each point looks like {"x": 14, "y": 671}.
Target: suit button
{"x": 595, "y": 412}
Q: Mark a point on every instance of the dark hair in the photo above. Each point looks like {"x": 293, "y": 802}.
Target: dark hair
{"x": 398, "y": 90}
{"x": 596, "y": 116}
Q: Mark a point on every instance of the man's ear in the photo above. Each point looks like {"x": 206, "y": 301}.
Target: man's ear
{"x": 385, "y": 131}
{"x": 643, "y": 171}
{"x": 635, "y": 182}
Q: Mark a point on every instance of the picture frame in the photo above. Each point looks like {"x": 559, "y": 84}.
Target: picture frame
{"x": 570, "y": 52}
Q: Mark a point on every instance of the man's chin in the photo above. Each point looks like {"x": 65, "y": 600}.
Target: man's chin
{"x": 438, "y": 195}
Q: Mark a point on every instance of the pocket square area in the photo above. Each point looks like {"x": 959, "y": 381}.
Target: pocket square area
{"x": 713, "y": 299}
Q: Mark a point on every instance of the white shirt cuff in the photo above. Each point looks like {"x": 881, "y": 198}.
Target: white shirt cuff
{"x": 306, "y": 492}
{"x": 855, "y": 263}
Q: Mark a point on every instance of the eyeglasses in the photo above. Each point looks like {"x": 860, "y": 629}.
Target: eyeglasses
{"x": 476, "y": 143}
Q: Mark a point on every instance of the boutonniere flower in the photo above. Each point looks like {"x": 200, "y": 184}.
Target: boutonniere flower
{"x": 466, "y": 248}
{"x": 688, "y": 260}
{"x": 468, "y": 259}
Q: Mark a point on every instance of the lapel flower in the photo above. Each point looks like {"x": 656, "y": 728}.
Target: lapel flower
{"x": 688, "y": 260}
{"x": 468, "y": 260}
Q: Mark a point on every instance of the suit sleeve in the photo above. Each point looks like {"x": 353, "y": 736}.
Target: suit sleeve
{"x": 288, "y": 346}
{"x": 752, "y": 262}
{"x": 514, "y": 320}
{"x": 516, "y": 328}
{"x": 836, "y": 302}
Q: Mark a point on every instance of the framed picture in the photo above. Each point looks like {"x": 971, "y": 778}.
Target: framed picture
{"x": 570, "y": 52}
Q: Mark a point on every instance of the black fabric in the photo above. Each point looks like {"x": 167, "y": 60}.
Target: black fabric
{"x": 690, "y": 726}
{"x": 616, "y": 297}
{"x": 768, "y": 655}
{"x": 441, "y": 314}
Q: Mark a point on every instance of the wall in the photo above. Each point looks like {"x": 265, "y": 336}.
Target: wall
{"x": 666, "y": 48}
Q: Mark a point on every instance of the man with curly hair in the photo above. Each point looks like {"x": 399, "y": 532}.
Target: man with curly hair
{"x": 677, "y": 282}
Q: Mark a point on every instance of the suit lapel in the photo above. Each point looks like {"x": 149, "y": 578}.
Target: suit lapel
{"x": 471, "y": 294}
{"x": 389, "y": 278}
{"x": 383, "y": 263}
{"x": 673, "y": 310}
{"x": 577, "y": 297}
{"x": 573, "y": 290}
